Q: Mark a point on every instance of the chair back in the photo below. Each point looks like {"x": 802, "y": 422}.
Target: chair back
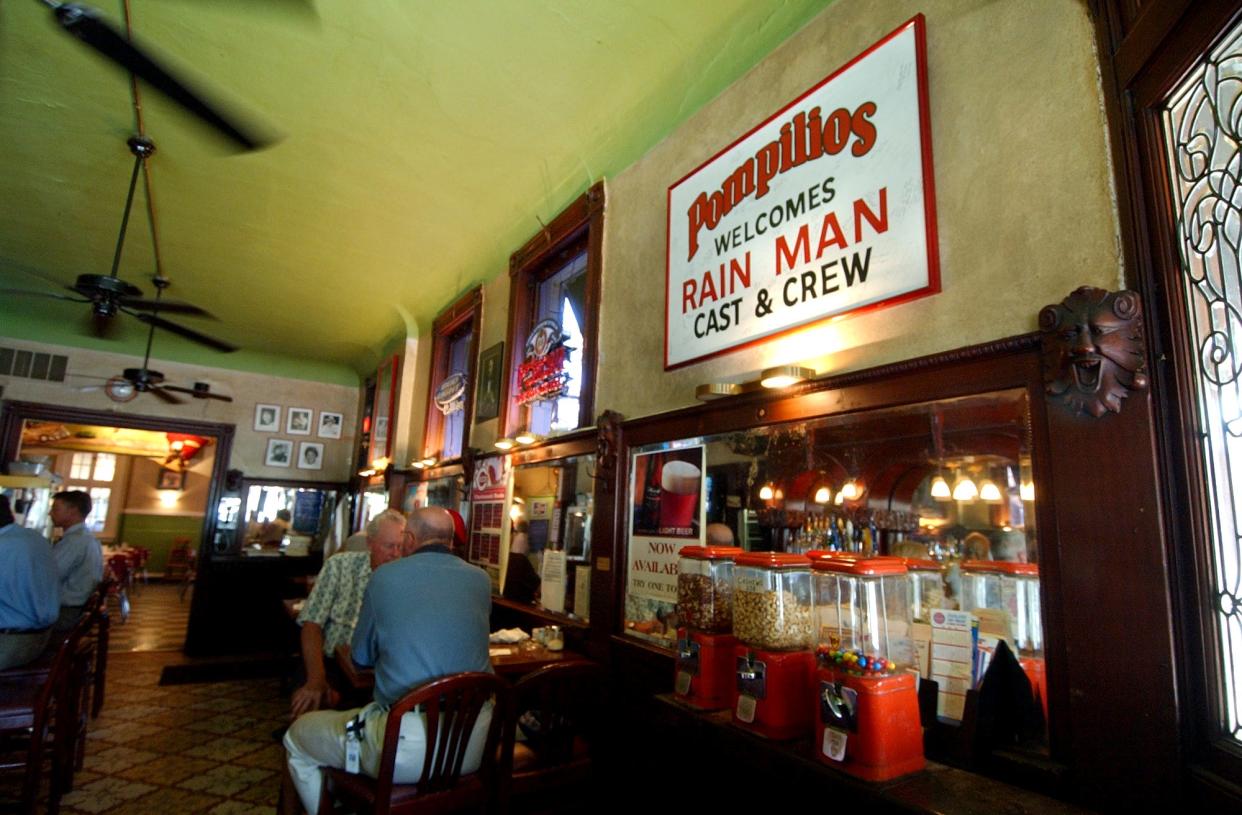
{"x": 452, "y": 705}
{"x": 563, "y": 700}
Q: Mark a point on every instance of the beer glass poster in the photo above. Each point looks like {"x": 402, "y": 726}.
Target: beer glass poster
{"x": 666, "y": 506}
{"x": 826, "y": 207}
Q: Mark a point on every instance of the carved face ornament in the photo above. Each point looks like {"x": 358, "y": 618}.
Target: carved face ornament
{"x": 1093, "y": 349}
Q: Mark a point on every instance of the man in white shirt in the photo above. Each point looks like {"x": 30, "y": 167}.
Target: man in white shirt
{"x": 78, "y": 555}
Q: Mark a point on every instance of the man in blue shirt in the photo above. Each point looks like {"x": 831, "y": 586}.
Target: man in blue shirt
{"x": 423, "y": 616}
{"x": 79, "y": 557}
{"x": 29, "y": 595}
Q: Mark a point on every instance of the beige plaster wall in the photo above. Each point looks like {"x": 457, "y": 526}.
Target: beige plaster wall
{"x": 143, "y": 497}
{"x": 91, "y": 368}
{"x": 495, "y": 324}
{"x": 1023, "y": 189}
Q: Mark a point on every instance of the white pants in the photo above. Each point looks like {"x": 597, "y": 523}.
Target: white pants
{"x": 317, "y": 740}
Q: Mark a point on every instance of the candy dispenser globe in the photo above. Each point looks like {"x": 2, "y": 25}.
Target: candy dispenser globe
{"x": 703, "y": 672}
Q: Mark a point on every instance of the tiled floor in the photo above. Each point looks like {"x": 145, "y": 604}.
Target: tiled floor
{"x": 157, "y": 619}
{"x": 204, "y": 748}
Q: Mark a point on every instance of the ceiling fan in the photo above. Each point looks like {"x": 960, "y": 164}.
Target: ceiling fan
{"x": 108, "y": 294}
{"x": 94, "y": 30}
{"x": 134, "y": 381}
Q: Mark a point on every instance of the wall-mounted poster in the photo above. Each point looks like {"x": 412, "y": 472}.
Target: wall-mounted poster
{"x": 666, "y": 502}
{"x": 279, "y": 453}
{"x": 487, "y": 393}
{"x": 824, "y": 208}
{"x": 487, "y": 509}
{"x": 299, "y": 422}
{"x": 267, "y": 418}
{"x": 670, "y": 485}
{"x": 329, "y": 425}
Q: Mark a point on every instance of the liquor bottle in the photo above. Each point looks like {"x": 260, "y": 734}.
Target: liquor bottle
{"x": 650, "y": 514}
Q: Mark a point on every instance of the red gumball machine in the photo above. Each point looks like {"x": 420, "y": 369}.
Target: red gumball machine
{"x": 1014, "y": 589}
{"x": 705, "y": 642}
{"x": 868, "y": 707}
{"x": 774, "y": 660}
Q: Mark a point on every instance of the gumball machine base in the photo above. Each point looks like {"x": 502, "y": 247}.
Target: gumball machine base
{"x": 704, "y": 670}
{"x": 770, "y": 692}
{"x": 868, "y": 726}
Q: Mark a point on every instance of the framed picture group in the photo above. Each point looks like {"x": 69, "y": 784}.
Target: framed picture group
{"x": 306, "y": 455}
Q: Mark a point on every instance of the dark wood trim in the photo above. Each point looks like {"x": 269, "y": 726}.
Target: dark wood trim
{"x": 1140, "y": 65}
{"x": 581, "y": 220}
{"x": 578, "y": 443}
{"x": 14, "y": 413}
{"x": 467, "y": 310}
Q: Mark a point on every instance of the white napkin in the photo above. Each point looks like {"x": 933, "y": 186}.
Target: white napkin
{"x": 509, "y": 635}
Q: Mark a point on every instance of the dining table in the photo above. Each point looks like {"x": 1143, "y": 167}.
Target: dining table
{"x": 507, "y": 660}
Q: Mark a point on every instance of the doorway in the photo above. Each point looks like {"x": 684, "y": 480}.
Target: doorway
{"x": 154, "y": 484}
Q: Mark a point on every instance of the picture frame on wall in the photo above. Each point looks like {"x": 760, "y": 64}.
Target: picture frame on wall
{"x": 279, "y": 453}
{"x": 267, "y": 418}
{"x": 487, "y": 389}
{"x": 330, "y": 425}
{"x": 310, "y": 455}
{"x": 299, "y": 423}
{"x": 170, "y": 479}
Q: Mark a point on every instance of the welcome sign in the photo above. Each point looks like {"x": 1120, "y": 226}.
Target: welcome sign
{"x": 825, "y": 208}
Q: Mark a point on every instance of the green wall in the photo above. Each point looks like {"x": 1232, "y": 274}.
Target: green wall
{"x": 157, "y": 533}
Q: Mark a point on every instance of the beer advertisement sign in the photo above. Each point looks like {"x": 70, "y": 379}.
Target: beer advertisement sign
{"x": 666, "y": 506}
{"x": 825, "y": 208}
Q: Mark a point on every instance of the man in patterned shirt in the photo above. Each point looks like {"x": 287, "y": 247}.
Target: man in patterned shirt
{"x": 331, "y": 612}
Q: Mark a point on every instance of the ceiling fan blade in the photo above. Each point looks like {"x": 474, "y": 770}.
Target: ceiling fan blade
{"x": 198, "y": 394}
{"x": 170, "y": 306}
{"x": 93, "y": 29}
{"x": 182, "y": 331}
{"x": 48, "y": 294}
{"x": 164, "y": 396}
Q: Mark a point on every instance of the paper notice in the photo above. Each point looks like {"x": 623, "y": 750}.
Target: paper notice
{"x": 954, "y": 637}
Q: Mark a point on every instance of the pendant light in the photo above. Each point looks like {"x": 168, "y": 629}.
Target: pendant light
{"x": 988, "y": 491}
{"x": 823, "y": 495}
{"x": 940, "y": 489}
{"x": 965, "y": 490}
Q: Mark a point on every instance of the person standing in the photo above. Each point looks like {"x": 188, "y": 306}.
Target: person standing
{"x": 423, "y": 616}
{"x": 29, "y": 591}
{"x": 78, "y": 555}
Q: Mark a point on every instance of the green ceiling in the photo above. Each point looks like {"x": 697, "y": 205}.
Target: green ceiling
{"x": 422, "y": 142}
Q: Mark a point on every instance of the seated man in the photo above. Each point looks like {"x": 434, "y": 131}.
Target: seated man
{"x": 424, "y": 616}
{"x": 331, "y": 612}
{"x": 78, "y": 555}
{"x": 273, "y": 532}
{"x": 29, "y": 591}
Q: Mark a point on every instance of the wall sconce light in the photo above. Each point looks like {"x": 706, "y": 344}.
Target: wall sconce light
{"x": 527, "y": 437}
{"x": 766, "y": 493}
{"x": 823, "y": 495}
{"x": 366, "y": 473}
{"x": 716, "y": 390}
{"x": 168, "y": 498}
{"x": 783, "y": 376}
{"x": 505, "y": 443}
{"x": 515, "y": 513}
{"x": 965, "y": 490}
{"x": 380, "y": 464}
{"x": 940, "y": 489}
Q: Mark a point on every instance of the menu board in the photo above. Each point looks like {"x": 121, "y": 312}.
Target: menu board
{"x": 487, "y": 510}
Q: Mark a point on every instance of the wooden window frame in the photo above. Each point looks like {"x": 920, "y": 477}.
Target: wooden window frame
{"x": 466, "y": 311}
{"x": 582, "y": 222}
{"x": 1145, "y": 51}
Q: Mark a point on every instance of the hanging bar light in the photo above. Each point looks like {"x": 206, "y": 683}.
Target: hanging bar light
{"x": 940, "y": 489}
{"x": 965, "y": 489}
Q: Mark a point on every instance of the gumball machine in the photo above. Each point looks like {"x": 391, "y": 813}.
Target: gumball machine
{"x": 868, "y": 707}
{"x": 773, "y": 657}
{"x": 926, "y": 587}
{"x": 705, "y": 641}
{"x": 1014, "y": 589}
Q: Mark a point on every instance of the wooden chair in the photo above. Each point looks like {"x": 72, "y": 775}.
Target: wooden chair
{"x": 191, "y": 574}
{"x": 562, "y": 703}
{"x": 35, "y": 703}
{"x": 451, "y": 705}
{"x": 178, "y": 564}
{"x": 102, "y": 630}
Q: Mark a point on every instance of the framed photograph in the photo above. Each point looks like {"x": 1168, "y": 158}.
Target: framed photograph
{"x": 170, "y": 479}
{"x": 299, "y": 423}
{"x": 487, "y": 393}
{"x": 279, "y": 453}
{"x": 267, "y": 418}
{"x": 310, "y": 455}
{"x": 329, "y": 425}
